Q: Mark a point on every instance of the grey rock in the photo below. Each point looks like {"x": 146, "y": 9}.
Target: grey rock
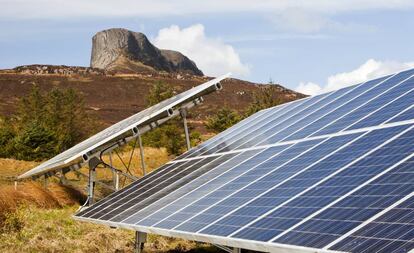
{"x": 111, "y": 44}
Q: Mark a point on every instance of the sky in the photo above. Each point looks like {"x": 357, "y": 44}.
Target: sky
{"x": 309, "y": 46}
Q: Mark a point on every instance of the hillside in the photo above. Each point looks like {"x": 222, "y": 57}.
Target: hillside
{"x": 113, "y": 97}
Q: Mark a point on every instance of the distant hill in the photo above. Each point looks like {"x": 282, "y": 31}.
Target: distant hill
{"x": 125, "y": 51}
{"x": 113, "y": 97}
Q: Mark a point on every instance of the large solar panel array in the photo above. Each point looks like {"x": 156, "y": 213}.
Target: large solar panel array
{"x": 333, "y": 172}
{"x": 123, "y": 128}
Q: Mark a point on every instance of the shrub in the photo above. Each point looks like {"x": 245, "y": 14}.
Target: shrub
{"x": 223, "y": 119}
{"x": 265, "y": 97}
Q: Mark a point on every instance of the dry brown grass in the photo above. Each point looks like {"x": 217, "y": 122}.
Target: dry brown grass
{"x": 33, "y": 229}
{"x": 31, "y": 193}
{"x": 10, "y": 168}
{"x": 38, "y": 219}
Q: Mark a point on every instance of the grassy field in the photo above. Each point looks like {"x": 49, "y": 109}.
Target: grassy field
{"x": 38, "y": 219}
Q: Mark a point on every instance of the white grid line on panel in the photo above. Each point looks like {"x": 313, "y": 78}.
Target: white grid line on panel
{"x": 198, "y": 186}
{"x": 270, "y": 157}
{"x": 271, "y": 171}
{"x": 320, "y": 182}
{"x": 398, "y": 114}
{"x": 381, "y": 107}
{"x": 181, "y": 179}
{"x": 258, "y": 126}
{"x": 229, "y": 131}
{"x": 344, "y": 104}
{"x": 289, "y": 178}
{"x": 366, "y": 102}
{"x": 355, "y": 189}
{"x": 304, "y": 116}
{"x": 359, "y": 130}
{"x": 369, "y": 220}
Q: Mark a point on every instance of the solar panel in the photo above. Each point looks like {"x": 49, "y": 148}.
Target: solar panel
{"x": 333, "y": 172}
{"x": 124, "y": 128}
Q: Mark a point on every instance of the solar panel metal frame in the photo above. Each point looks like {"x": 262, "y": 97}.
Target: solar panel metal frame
{"x": 125, "y": 130}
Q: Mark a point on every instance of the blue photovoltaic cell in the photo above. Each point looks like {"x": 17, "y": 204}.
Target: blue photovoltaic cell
{"x": 129, "y": 189}
{"x": 388, "y": 112}
{"x": 258, "y": 130}
{"x": 223, "y": 203}
{"x": 268, "y": 200}
{"x": 225, "y": 140}
{"x": 391, "y": 232}
{"x": 231, "y": 132}
{"x": 288, "y": 214}
{"x": 329, "y": 113}
{"x": 339, "y": 185}
{"x": 332, "y": 171}
{"x": 196, "y": 189}
{"x": 288, "y": 123}
{"x": 167, "y": 220}
{"x": 371, "y": 94}
{"x": 368, "y": 107}
{"x": 406, "y": 115}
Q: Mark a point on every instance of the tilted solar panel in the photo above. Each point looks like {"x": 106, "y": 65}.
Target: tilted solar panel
{"x": 124, "y": 128}
{"x": 333, "y": 172}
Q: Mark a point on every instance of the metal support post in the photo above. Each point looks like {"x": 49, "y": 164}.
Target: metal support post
{"x": 183, "y": 113}
{"x": 140, "y": 239}
{"x": 91, "y": 185}
{"x": 93, "y": 163}
{"x": 141, "y": 150}
{"x": 115, "y": 176}
{"x": 116, "y": 181}
{"x": 63, "y": 180}
{"x": 236, "y": 250}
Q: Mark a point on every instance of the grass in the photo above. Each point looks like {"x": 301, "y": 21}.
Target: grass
{"x": 38, "y": 219}
{"x": 33, "y": 229}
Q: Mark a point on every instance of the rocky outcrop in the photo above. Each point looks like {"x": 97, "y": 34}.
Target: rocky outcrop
{"x": 37, "y": 69}
{"x": 121, "y": 48}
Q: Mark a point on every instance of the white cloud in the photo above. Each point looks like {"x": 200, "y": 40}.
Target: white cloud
{"x": 371, "y": 69}
{"x": 211, "y": 55}
{"x": 309, "y": 88}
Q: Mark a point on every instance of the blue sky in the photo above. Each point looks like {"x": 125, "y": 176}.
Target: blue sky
{"x": 313, "y": 46}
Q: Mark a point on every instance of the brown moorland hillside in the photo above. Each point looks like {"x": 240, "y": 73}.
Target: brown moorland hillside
{"x": 114, "y": 96}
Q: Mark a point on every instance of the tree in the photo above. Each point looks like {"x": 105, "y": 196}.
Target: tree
{"x": 159, "y": 92}
{"x": 222, "y": 120}
{"x": 264, "y": 98}
{"x": 44, "y": 125}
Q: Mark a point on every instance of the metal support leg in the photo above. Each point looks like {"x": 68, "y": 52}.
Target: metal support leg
{"x": 63, "y": 180}
{"x": 236, "y": 250}
{"x": 140, "y": 239}
{"x": 91, "y": 185}
{"x": 116, "y": 181}
{"x": 141, "y": 150}
{"x": 183, "y": 113}
{"x": 115, "y": 176}
{"x": 93, "y": 163}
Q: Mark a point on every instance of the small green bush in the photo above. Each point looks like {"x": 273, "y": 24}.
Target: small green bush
{"x": 265, "y": 97}
{"x": 223, "y": 119}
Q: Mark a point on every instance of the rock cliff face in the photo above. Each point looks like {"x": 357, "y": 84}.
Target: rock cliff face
{"x": 116, "y": 49}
